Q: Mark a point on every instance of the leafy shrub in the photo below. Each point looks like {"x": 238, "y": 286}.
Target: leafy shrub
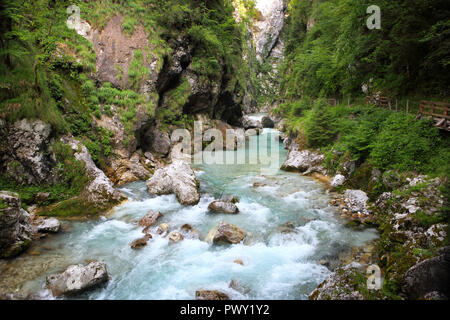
{"x": 319, "y": 125}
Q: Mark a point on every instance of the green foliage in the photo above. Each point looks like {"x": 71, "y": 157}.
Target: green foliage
{"x": 319, "y": 125}
{"x": 331, "y": 52}
{"x": 137, "y": 70}
{"x": 404, "y": 143}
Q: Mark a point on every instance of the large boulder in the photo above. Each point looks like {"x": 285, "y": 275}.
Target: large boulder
{"x": 305, "y": 161}
{"x": 210, "y": 295}
{"x": 431, "y": 275}
{"x": 49, "y": 225}
{"x": 77, "y": 278}
{"x": 356, "y": 201}
{"x": 99, "y": 191}
{"x": 226, "y": 233}
{"x": 25, "y": 153}
{"x": 223, "y": 207}
{"x": 249, "y": 123}
{"x": 266, "y": 122}
{"x": 178, "y": 178}
{"x": 337, "y": 181}
{"x": 15, "y": 227}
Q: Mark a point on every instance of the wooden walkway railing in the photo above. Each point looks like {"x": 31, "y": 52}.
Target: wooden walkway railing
{"x": 438, "y": 111}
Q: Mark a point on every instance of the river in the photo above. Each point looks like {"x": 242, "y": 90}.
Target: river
{"x": 278, "y": 263}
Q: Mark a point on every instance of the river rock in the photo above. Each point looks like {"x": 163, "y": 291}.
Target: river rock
{"x": 266, "y": 122}
{"x": 337, "y": 181}
{"x": 226, "y": 233}
{"x": 99, "y": 191}
{"x": 249, "y": 123}
{"x": 429, "y": 275}
{"x": 210, "y": 295}
{"x": 223, "y": 207}
{"x": 356, "y": 201}
{"x": 77, "y": 278}
{"x": 150, "y": 218}
{"x": 141, "y": 242}
{"x": 176, "y": 178}
{"x": 163, "y": 227}
{"x": 305, "y": 161}
{"x": 176, "y": 237}
{"x": 49, "y": 225}
{"x": 15, "y": 227}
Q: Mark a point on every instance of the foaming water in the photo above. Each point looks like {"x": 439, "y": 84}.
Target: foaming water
{"x": 279, "y": 261}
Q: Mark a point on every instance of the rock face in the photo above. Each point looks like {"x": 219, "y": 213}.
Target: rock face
{"x": 210, "y": 295}
{"x": 99, "y": 191}
{"x": 226, "y": 233}
{"x": 268, "y": 26}
{"x": 176, "y": 178}
{"x": 150, "y": 218}
{"x": 267, "y": 122}
{"x": 15, "y": 227}
{"x": 77, "y": 278}
{"x": 431, "y": 275}
{"x": 304, "y": 161}
{"x": 223, "y": 207}
{"x": 25, "y": 154}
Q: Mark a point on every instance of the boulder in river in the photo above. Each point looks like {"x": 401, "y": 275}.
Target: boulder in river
{"x": 210, "y": 295}
{"x": 267, "y": 122}
{"x": 226, "y": 233}
{"x": 305, "y": 161}
{"x": 249, "y": 123}
{"x": 163, "y": 227}
{"x": 176, "y": 237}
{"x": 219, "y": 206}
{"x": 77, "y": 278}
{"x": 150, "y": 218}
{"x": 176, "y": 178}
{"x": 141, "y": 242}
{"x": 49, "y": 225}
{"x": 15, "y": 227}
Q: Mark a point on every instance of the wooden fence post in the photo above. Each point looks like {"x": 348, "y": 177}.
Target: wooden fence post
{"x": 396, "y": 105}
{"x": 407, "y": 106}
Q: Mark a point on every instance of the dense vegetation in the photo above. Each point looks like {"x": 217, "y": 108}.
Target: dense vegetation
{"x": 47, "y": 70}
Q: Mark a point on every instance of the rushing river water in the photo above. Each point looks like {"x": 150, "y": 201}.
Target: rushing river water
{"x": 276, "y": 264}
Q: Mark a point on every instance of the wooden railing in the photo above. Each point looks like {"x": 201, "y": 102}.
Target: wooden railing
{"x": 439, "y": 111}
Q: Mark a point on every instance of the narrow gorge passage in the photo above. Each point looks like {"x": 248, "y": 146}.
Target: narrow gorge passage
{"x": 291, "y": 229}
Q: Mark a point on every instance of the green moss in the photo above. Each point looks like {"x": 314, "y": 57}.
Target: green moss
{"x": 70, "y": 208}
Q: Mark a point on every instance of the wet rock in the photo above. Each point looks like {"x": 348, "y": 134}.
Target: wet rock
{"x": 223, "y": 207}
{"x": 337, "y": 181}
{"x": 266, "y": 122}
{"x": 239, "y": 287}
{"x": 163, "y": 227}
{"x": 226, "y": 233}
{"x": 210, "y": 295}
{"x": 239, "y": 261}
{"x": 15, "y": 227}
{"x": 49, "y": 225}
{"x": 176, "y": 237}
{"x": 305, "y": 161}
{"x": 141, "y": 242}
{"x": 150, "y": 218}
{"x": 429, "y": 275}
{"x": 99, "y": 191}
{"x": 176, "y": 178}
{"x": 190, "y": 232}
{"x": 288, "y": 227}
{"x": 77, "y": 278}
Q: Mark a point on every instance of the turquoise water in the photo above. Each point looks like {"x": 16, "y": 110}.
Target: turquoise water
{"x": 277, "y": 265}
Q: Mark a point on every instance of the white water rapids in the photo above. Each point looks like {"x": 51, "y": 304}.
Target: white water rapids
{"x": 276, "y": 264}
